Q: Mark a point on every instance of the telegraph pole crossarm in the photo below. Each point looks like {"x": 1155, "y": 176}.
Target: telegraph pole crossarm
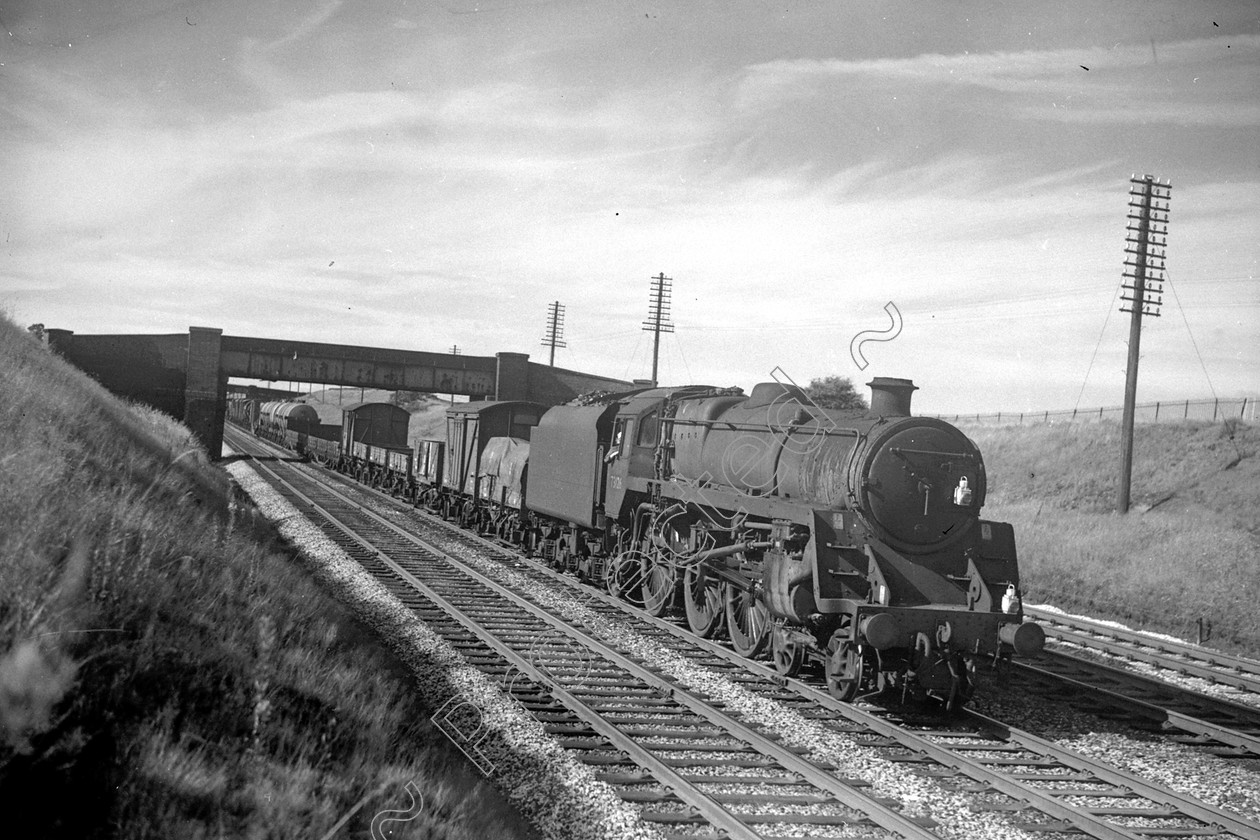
{"x": 1148, "y": 205}
{"x": 658, "y": 317}
{"x": 555, "y": 329}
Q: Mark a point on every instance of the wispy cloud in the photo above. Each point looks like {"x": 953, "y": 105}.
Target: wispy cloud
{"x": 437, "y": 178}
{"x": 1232, "y": 64}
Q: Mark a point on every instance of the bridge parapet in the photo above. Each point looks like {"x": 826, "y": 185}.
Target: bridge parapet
{"x": 186, "y": 375}
{"x": 359, "y": 367}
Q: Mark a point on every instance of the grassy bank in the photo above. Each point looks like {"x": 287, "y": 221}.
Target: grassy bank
{"x": 1188, "y": 550}
{"x": 164, "y": 670}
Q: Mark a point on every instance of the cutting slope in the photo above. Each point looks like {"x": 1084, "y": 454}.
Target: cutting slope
{"x": 1187, "y": 551}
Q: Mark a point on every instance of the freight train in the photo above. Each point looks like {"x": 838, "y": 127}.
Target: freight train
{"x": 845, "y": 540}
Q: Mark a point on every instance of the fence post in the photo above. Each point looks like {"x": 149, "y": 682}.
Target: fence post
{"x": 1074, "y": 414}
{"x": 1242, "y": 412}
{"x": 1021, "y": 414}
{"x": 1100, "y": 412}
{"x": 1215, "y": 405}
{"x": 1157, "y": 409}
{"x": 1187, "y": 414}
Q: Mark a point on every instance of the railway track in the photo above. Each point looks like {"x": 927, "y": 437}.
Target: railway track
{"x": 1052, "y": 790}
{"x": 691, "y": 768}
{"x": 1047, "y": 789}
{"x": 1162, "y": 653}
{"x": 1221, "y": 726}
{"x": 1218, "y": 724}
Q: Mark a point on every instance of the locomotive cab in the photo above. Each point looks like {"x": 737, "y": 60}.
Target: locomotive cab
{"x": 641, "y": 446}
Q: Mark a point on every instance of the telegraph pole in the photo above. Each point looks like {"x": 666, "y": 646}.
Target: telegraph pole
{"x": 658, "y": 316}
{"x": 555, "y": 329}
{"x": 454, "y": 352}
{"x": 1144, "y": 268}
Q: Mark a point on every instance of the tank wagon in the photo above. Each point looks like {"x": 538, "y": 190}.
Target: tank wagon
{"x": 287, "y": 423}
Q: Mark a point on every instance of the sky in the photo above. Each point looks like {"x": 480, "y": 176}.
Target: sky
{"x": 422, "y": 175}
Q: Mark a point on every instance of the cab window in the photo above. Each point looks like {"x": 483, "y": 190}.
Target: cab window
{"x": 649, "y": 428}
{"x": 620, "y": 433}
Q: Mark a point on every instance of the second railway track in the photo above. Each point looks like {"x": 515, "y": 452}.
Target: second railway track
{"x": 1159, "y": 652}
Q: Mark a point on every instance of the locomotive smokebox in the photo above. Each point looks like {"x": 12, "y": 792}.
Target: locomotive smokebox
{"x": 891, "y": 397}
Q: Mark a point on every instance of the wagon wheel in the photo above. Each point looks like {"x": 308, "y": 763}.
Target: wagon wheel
{"x": 659, "y": 583}
{"x": 748, "y": 622}
{"x": 788, "y": 653}
{"x": 702, "y": 596}
{"x": 843, "y": 668}
{"x": 560, "y": 557}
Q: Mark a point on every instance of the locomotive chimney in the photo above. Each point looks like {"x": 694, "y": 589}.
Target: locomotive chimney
{"x": 891, "y": 397}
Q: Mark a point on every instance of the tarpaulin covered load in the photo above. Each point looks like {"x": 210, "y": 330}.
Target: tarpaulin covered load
{"x": 502, "y": 473}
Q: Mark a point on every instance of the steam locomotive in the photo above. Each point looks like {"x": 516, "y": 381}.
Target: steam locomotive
{"x": 846, "y": 539}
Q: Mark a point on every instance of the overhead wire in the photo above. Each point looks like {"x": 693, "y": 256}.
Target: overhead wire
{"x": 633, "y": 356}
{"x": 1110, "y": 308}
{"x": 686, "y": 366}
{"x": 1195, "y": 345}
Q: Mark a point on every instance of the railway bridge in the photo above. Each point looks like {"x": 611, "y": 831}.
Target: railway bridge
{"x": 186, "y": 374}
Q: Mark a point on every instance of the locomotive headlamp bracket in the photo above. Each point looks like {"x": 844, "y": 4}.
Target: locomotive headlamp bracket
{"x": 880, "y": 591}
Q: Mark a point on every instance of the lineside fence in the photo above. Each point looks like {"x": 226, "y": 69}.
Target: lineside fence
{"x": 1164, "y": 411}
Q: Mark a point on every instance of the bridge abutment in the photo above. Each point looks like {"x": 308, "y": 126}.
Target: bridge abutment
{"x": 511, "y": 376}
{"x": 205, "y": 388}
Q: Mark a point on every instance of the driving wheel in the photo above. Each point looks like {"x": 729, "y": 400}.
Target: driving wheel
{"x": 748, "y": 622}
{"x": 658, "y": 582}
{"x": 702, "y": 597}
{"x": 623, "y": 577}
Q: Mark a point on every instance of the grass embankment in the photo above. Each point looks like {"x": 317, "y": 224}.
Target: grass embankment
{"x": 1187, "y": 550}
{"x": 163, "y": 672}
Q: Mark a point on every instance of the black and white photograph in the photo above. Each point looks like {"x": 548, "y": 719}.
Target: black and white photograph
{"x": 596, "y": 420}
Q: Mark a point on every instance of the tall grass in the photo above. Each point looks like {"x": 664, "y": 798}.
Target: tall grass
{"x": 165, "y": 672}
{"x": 1186, "y": 551}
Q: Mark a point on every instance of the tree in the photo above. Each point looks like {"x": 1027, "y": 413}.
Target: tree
{"x": 404, "y": 397}
{"x": 835, "y": 392}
